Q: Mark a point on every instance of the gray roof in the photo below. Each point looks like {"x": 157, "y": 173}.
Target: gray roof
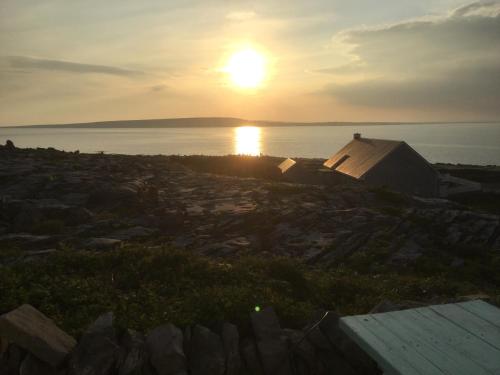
{"x": 360, "y": 155}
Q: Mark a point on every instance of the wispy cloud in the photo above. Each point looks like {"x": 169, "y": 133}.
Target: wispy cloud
{"x": 478, "y": 8}
{"x": 31, "y": 63}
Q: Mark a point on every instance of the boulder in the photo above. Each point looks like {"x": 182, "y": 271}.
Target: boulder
{"x": 274, "y": 356}
{"x": 3, "y": 346}
{"x": 33, "y": 366}
{"x": 251, "y": 359}
{"x": 303, "y": 351}
{"x": 187, "y": 341}
{"x": 165, "y": 346}
{"x": 135, "y": 356}
{"x": 11, "y": 361}
{"x": 33, "y": 331}
{"x": 207, "y": 356}
{"x": 230, "y": 340}
{"x": 316, "y": 355}
{"x": 265, "y": 324}
{"x": 97, "y": 352}
{"x": 316, "y": 337}
{"x": 271, "y": 343}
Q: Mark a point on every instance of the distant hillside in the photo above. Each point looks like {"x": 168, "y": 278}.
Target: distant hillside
{"x": 195, "y": 122}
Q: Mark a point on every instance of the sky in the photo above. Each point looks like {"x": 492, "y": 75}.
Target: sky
{"x": 325, "y": 60}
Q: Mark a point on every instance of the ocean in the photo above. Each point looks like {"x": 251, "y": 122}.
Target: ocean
{"x": 473, "y": 143}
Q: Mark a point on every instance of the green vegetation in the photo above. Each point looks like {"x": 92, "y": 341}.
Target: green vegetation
{"x": 146, "y": 287}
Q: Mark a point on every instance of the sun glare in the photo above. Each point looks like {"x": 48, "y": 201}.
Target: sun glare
{"x": 246, "y": 68}
{"x": 247, "y": 140}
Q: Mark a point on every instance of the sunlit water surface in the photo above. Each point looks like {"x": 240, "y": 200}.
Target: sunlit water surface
{"x": 451, "y": 143}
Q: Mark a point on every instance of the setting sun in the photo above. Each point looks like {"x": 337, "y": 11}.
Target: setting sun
{"x": 246, "y": 68}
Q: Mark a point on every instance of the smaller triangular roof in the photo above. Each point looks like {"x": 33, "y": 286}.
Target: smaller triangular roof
{"x": 360, "y": 155}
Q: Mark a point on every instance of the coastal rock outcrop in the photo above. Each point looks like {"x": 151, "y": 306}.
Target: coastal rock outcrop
{"x": 54, "y": 199}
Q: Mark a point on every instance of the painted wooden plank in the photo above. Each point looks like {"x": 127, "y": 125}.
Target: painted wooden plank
{"x": 459, "y": 339}
{"x": 483, "y": 310}
{"x": 409, "y": 329}
{"x": 443, "y": 337}
{"x": 393, "y": 355}
{"x": 456, "y": 339}
{"x": 389, "y": 357}
{"x": 470, "y": 322}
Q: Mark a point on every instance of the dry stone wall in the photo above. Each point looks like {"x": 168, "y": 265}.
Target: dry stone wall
{"x": 32, "y": 344}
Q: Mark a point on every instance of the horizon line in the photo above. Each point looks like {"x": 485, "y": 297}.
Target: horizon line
{"x": 234, "y": 120}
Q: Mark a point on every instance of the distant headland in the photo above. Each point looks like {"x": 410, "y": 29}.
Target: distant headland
{"x": 209, "y": 122}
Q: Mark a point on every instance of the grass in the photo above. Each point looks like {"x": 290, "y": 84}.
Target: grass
{"x": 147, "y": 287}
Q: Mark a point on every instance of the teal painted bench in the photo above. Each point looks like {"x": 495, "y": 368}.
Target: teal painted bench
{"x": 456, "y": 339}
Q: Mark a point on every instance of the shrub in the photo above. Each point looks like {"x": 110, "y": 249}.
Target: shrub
{"x": 146, "y": 287}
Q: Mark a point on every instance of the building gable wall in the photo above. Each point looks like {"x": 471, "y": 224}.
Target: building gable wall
{"x": 406, "y": 171}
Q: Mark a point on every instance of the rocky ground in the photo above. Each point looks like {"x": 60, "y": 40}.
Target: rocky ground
{"x": 51, "y": 200}
{"x": 192, "y": 241}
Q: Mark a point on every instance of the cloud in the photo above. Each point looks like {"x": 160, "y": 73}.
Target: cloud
{"x": 473, "y": 89}
{"x": 240, "y": 16}
{"x": 479, "y": 8}
{"x": 449, "y": 62}
{"x": 23, "y": 63}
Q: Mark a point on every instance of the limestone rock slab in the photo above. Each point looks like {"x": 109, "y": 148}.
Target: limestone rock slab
{"x": 33, "y": 331}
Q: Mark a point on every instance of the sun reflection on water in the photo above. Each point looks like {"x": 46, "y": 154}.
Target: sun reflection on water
{"x": 247, "y": 140}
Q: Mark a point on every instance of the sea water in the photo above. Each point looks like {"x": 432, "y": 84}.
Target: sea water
{"x": 474, "y": 143}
